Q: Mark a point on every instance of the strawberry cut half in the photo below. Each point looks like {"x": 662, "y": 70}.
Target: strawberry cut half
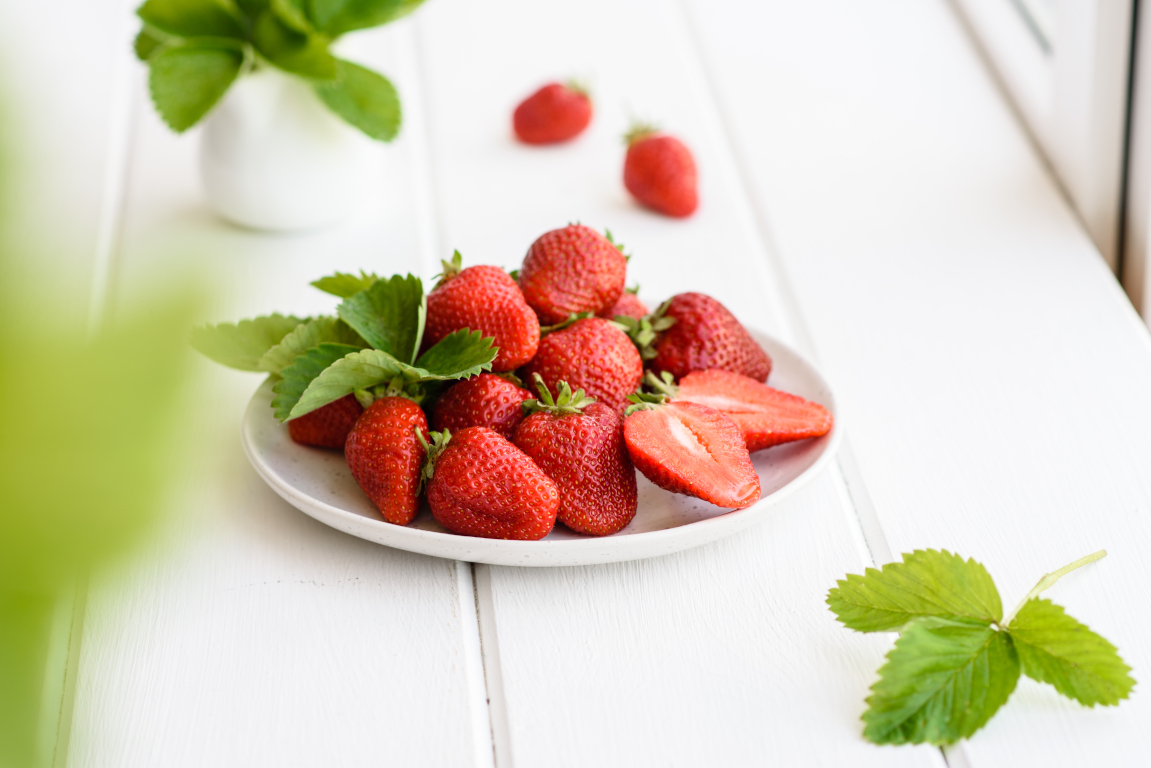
{"x": 692, "y": 449}
{"x": 765, "y": 416}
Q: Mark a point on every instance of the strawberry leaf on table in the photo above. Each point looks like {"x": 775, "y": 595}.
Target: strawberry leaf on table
{"x": 1055, "y": 648}
{"x": 459, "y": 355}
{"x": 335, "y": 17}
{"x": 390, "y": 315}
{"x": 147, "y": 42}
{"x": 304, "y": 337}
{"x": 300, "y": 54}
{"x": 186, "y": 79}
{"x": 926, "y": 583}
{"x": 943, "y": 681}
{"x": 302, "y": 373}
{"x": 192, "y": 18}
{"x": 345, "y": 285}
{"x": 957, "y": 659}
{"x": 364, "y": 99}
{"x": 241, "y": 345}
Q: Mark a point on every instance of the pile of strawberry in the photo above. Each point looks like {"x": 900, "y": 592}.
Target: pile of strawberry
{"x": 677, "y": 393}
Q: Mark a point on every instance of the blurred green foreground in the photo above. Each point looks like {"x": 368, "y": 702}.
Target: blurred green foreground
{"x": 87, "y": 441}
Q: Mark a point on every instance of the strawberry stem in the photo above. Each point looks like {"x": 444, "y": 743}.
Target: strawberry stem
{"x": 567, "y": 401}
{"x": 639, "y": 130}
{"x": 1049, "y": 580}
{"x": 439, "y": 442}
{"x": 451, "y": 269}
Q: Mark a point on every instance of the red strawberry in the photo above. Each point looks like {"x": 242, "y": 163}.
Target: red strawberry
{"x": 627, "y": 305}
{"x": 326, "y": 427}
{"x": 486, "y": 400}
{"x": 385, "y": 456}
{"x": 572, "y": 270}
{"x": 660, "y": 172}
{"x": 483, "y": 299}
{"x": 704, "y": 336}
{"x": 552, "y": 114}
{"x": 765, "y": 416}
{"x": 579, "y": 444}
{"x": 482, "y": 485}
{"x": 592, "y": 354}
{"x": 689, "y": 448}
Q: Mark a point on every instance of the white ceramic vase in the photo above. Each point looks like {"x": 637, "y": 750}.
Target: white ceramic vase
{"x": 274, "y": 157}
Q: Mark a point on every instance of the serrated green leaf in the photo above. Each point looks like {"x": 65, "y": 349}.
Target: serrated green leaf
{"x": 292, "y": 13}
{"x": 344, "y": 285}
{"x": 364, "y": 99}
{"x": 459, "y": 355}
{"x": 390, "y": 315}
{"x": 192, "y": 18}
{"x": 146, "y": 43}
{"x": 304, "y": 55}
{"x": 305, "y": 336}
{"x": 926, "y": 583}
{"x": 1055, "y": 648}
{"x": 241, "y": 345}
{"x": 186, "y": 80}
{"x": 942, "y": 682}
{"x": 361, "y": 369}
{"x": 337, "y": 17}
{"x": 302, "y": 373}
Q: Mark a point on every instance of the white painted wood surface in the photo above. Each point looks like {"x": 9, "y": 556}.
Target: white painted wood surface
{"x": 994, "y": 385}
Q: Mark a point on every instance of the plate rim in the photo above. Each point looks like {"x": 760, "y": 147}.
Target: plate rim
{"x": 561, "y": 553}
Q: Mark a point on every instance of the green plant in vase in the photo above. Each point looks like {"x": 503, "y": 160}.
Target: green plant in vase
{"x": 196, "y": 49}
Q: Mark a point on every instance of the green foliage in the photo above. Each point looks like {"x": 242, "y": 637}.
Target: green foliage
{"x": 186, "y": 80}
{"x": 241, "y": 345}
{"x": 957, "y": 659}
{"x": 364, "y": 99}
{"x": 942, "y": 682}
{"x": 458, "y": 355}
{"x": 305, "y": 336}
{"x": 192, "y": 18}
{"x": 336, "y": 17}
{"x": 1055, "y": 648}
{"x": 298, "y": 376}
{"x": 390, "y": 315}
{"x": 197, "y": 48}
{"x": 926, "y": 583}
{"x": 344, "y": 285}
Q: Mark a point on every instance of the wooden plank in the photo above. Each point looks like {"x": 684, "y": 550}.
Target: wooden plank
{"x": 995, "y": 377}
{"x": 725, "y": 655}
{"x": 249, "y": 633}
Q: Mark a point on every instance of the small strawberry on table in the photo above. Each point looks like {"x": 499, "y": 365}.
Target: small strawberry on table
{"x": 579, "y": 444}
{"x": 659, "y": 171}
{"x": 556, "y": 112}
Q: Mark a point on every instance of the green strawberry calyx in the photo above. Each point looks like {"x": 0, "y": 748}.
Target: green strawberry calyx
{"x": 638, "y": 131}
{"x": 566, "y": 402}
{"x": 572, "y": 318}
{"x": 451, "y": 269}
{"x": 664, "y": 384}
{"x": 644, "y": 331}
{"x": 439, "y": 441}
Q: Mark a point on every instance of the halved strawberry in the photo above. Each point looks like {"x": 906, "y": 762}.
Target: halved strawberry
{"x": 688, "y": 448}
{"x": 764, "y": 415}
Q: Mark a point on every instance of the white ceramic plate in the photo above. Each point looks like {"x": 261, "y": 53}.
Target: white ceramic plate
{"x": 318, "y": 482}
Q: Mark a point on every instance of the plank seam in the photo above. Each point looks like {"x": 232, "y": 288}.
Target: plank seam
{"x": 479, "y": 704}
{"x": 493, "y": 674}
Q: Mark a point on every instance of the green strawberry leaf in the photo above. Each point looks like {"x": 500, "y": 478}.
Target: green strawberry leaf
{"x": 302, "y": 373}
{"x": 241, "y": 345}
{"x": 335, "y": 17}
{"x": 344, "y": 285}
{"x": 364, "y": 99}
{"x": 292, "y": 13}
{"x": 186, "y": 80}
{"x": 459, "y": 355}
{"x": 359, "y": 370}
{"x": 147, "y": 42}
{"x": 942, "y": 682}
{"x": 1055, "y": 648}
{"x": 390, "y": 315}
{"x": 192, "y": 18}
{"x": 253, "y": 8}
{"x": 926, "y": 583}
{"x": 303, "y": 55}
{"x": 304, "y": 337}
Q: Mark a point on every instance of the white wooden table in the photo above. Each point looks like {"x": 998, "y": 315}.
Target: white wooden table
{"x": 867, "y": 196}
